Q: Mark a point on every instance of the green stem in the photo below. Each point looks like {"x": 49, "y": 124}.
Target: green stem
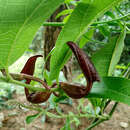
{"x": 54, "y": 115}
{"x": 26, "y": 85}
{"x": 55, "y": 24}
{"x": 106, "y": 104}
{"x": 127, "y": 23}
{"x": 67, "y": 6}
{"x": 8, "y": 76}
{"x": 60, "y": 113}
{"x": 9, "y": 79}
{"x": 78, "y": 116}
{"x": 128, "y": 30}
{"x": 28, "y": 107}
{"x": 109, "y": 21}
{"x": 127, "y": 73}
{"x": 95, "y": 124}
{"x": 101, "y": 120}
{"x": 118, "y": 10}
{"x": 113, "y": 109}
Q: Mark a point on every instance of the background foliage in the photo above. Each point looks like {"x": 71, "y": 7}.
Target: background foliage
{"x": 100, "y": 27}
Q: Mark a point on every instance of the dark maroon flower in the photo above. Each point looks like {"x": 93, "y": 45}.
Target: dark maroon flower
{"x": 89, "y": 71}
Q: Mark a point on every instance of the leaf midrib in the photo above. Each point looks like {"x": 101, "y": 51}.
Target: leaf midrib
{"x": 21, "y": 29}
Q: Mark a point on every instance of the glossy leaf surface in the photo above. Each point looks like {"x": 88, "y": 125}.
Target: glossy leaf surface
{"x": 19, "y": 21}
{"x": 113, "y": 88}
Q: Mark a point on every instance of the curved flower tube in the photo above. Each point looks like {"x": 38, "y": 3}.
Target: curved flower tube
{"x": 37, "y": 97}
{"x": 75, "y": 90}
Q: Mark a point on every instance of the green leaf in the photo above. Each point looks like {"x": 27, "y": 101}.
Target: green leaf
{"x": 113, "y": 88}
{"x": 19, "y": 21}
{"x": 83, "y": 15}
{"x": 31, "y": 118}
{"x": 67, "y": 125}
{"x": 68, "y": 1}
{"x": 105, "y": 30}
{"x": 106, "y": 58}
{"x": 96, "y": 102}
{"x": 59, "y": 99}
{"x": 84, "y": 40}
{"x": 76, "y": 121}
{"x": 110, "y": 14}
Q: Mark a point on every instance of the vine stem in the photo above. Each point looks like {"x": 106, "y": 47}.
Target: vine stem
{"x": 109, "y": 21}
{"x": 55, "y": 24}
{"x": 107, "y": 103}
{"x": 10, "y": 80}
{"x": 78, "y": 116}
{"x": 22, "y": 76}
{"x": 14, "y": 102}
{"x": 41, "y": 110}
{"x": 113, "y": 109}
{"x": 102, "y": 120}
{"x": 95, "y": 124}
{"x": 94, "y": 24}
{"x": 25, "y": 76}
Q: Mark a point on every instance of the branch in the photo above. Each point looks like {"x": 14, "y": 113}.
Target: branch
{"x": 109, "y": 21}
{"x": 4, "y": 79}
{"x": 102, "y": 120}
{"x": 55, "y": 24}
{"x": 20, "y": 77}
{"x": 25, "y": 76}
{"x": 94, "y": 24}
